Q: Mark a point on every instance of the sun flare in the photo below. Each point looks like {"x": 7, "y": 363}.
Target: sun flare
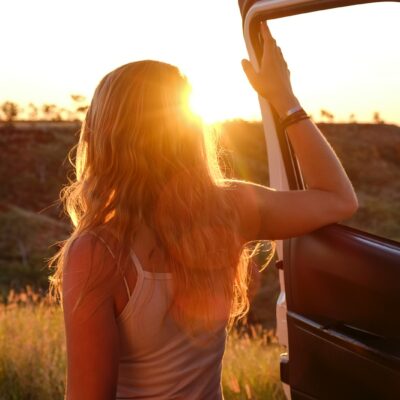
{"x": 205, "y": 106}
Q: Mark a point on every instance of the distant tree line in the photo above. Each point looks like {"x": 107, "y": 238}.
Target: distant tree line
{"x": 11, "y": 111}
{"x": 329, "y": 117}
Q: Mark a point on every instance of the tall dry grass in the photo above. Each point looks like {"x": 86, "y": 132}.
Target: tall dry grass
{"x": 32, "y": 355}
{"x": 32, "y": 349}
{"x": 251, "y": 366}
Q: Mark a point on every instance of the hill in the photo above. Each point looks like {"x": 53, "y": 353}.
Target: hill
{"x": 34, "y": 166}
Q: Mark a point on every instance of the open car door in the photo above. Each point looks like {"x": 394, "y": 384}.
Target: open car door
{"x": 339, "y": 307}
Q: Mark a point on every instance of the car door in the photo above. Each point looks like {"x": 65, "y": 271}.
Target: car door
{"x": 339, "y": 307}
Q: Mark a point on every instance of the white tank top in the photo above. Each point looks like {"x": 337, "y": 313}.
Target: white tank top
{"x": 158, "y": 360}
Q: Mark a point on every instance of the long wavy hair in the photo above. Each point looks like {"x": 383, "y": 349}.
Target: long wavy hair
{"x": 142, "y": 157}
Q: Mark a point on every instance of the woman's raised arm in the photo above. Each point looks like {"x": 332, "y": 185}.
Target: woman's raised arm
{"x": 329, "y": 197}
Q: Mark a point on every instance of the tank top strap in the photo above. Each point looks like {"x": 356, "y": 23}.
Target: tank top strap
{"x": 137, "y": 264}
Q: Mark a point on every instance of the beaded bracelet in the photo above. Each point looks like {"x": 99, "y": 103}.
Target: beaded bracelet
{"x": 293, "y": 118}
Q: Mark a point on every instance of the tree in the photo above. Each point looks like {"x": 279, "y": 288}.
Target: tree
{"x": 328, "y": 115}
{"x": 352, "y": 118}
{"x": 32, "y": 112}
{"x": 377, "y": 118}
{"x": 78, "y": 98}
{"x": 10, "y": 110}
{"x": 51, "y": 112}
{"x": 81, "y": 105}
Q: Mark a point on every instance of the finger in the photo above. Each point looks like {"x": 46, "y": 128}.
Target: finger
{"x": 281, "y": 55}
{"x": 266, "y": 33}
{"x": 263, "y": 29}
{"x": 248, "y": 68}
{"x": 250, "y": 73}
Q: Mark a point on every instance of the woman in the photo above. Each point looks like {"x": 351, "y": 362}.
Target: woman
{"x": 155, "y": 270}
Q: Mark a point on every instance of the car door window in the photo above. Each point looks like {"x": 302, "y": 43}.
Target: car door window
{"x": 348, "y": 80}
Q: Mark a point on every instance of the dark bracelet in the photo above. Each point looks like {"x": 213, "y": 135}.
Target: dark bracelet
{"x": 293, "y": 118}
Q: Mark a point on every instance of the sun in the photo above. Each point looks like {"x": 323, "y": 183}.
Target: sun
{"x": 206, "y": 106}
{"x": 200, "y": 106}
{"x": 215, "y": 100}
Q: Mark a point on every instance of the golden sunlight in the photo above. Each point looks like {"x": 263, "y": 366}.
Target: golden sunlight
{"x": 205, "y": 106}
{"x": 223, "y": 100}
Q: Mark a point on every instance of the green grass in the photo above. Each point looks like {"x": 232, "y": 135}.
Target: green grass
{"x": 32, "y": 356}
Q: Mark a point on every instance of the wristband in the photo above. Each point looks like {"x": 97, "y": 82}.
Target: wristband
{"x": 292, "y": 111}
{"x": 293, "y": 118}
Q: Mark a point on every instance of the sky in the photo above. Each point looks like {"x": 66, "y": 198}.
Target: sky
{"x": 346, "y": 61}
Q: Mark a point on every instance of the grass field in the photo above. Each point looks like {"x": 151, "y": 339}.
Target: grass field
{"x": 32, "y": 355}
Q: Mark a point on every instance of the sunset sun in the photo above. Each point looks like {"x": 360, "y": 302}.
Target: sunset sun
{"x": 205, "y": 106}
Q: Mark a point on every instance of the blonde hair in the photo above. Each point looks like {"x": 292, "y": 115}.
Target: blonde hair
{"x": 143, "y": 158}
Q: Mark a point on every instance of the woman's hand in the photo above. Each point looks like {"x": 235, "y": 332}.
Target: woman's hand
{"x": 272, "y": 81}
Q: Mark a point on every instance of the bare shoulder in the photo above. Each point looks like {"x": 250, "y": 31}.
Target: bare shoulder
{"x": 80, "y": 250}
{"x": 85, "y": 251}
{"x": 89, "y": 267}
{"x": 94, "y": 243}
{"x": 270, "y": 214}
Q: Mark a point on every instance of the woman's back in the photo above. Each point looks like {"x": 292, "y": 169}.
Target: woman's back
{"x": 158, "y": 359}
